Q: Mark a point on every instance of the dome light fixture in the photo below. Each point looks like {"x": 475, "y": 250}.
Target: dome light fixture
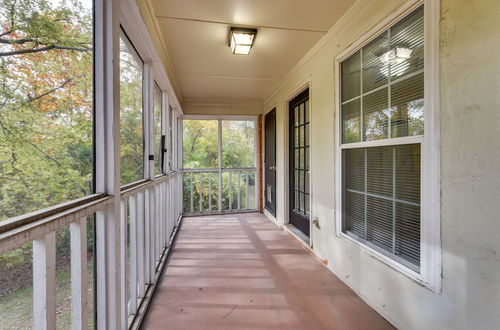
{"x": 241, "y": 40}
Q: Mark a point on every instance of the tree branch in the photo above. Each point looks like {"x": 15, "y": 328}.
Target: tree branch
{"x": 6, "y": 33}
{"x": 67, "y": 81}
{"x": 43, "y": 49}
{"x": 15, "y": 41}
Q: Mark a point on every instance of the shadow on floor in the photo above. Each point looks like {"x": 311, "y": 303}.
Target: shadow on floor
{"x": 243, "y": 272}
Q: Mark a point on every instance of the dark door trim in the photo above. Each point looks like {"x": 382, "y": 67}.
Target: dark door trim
{"x": 298, "y": 160}
{"x": 270, "y": 163}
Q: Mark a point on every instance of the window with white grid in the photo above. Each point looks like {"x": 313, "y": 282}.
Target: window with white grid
{"x": 382, "y": 125}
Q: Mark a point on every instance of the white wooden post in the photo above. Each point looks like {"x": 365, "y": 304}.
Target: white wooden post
{"x": 147, "y": 237}
{"x": 219, "y": 152}
{"x": 44, "y": 282}
{"x": 158, "y": 221}
{"x": 133, "y": 255}
{"x": 79, "y": 294}
{"x": 140, "y": 244}
{"x": 107, "y": 161}
{"x": 123, "y": 259}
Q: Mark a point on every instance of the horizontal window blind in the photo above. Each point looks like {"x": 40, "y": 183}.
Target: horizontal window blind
{"x": 382, "y": 198}
{"x": 382, "y": 95}
{"x": 383, "y": 85}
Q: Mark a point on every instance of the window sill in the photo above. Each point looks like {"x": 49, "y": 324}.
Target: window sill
{"x": 413, "y": 275}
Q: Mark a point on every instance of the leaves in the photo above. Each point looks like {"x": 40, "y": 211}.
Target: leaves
{"x": 46, "y": 105}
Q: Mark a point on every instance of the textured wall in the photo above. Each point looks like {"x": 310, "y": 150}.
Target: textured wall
{"x": 470, "y": 155}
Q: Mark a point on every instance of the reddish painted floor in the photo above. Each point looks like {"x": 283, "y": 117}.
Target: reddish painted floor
{"x": 243, "y": 272}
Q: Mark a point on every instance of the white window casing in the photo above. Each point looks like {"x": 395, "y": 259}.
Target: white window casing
{"x": 429, "y": 273}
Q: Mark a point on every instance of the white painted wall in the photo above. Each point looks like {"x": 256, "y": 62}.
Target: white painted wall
{"x": 470, "y": 156}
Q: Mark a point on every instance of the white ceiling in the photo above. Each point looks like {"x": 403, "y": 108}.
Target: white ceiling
{"x": 196, "y": 32}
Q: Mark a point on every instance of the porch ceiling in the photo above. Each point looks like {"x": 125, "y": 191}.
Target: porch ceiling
{"x": 195, "y": 32}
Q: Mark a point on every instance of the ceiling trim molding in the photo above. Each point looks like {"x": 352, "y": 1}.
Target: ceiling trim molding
{"x": 147, "y": 11}
{"x": 222, "y": 102}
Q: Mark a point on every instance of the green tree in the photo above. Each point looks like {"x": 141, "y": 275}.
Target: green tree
{"x": 45, "y": 104}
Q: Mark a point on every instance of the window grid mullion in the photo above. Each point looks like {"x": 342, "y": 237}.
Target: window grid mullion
{"x": 366, "y": 193}
{"x": 389, "y": 128}
{"x": 394, "y": 200}
{"x": 361, "y": 101}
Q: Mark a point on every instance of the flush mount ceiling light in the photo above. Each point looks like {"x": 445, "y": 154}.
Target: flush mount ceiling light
{"x": 241, "y": 40}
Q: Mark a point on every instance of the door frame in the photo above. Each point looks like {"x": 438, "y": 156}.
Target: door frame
{"x": 286, "y": 155}
{"x": 264, "y": 181}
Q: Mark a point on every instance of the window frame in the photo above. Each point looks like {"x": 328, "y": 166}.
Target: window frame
{"x": 124, "y": 37}
{"x": 430, "y": 209}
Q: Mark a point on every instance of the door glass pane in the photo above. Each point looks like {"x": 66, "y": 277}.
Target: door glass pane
{"x": 301, "y": 114}
{"x": 131, "y": 117}
{"x": 238, "y": 143}
{"x": 306, "y": 135}
{"x": 306, "y": 111}
{"x": 301, "y": 136}
{"x": 46, "y": 97}
{"x": 157, "y": 129}
{"x": 200, "y": 143}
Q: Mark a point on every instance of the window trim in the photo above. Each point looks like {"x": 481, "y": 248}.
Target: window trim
{"x": 430, "y": 231}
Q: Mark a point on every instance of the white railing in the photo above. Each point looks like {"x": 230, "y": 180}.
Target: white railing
{"x": 149, "y": 216}
{"x": 209, "y": 191}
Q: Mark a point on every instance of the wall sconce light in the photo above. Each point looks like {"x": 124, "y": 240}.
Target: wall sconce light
{"x": 241, "y": 40}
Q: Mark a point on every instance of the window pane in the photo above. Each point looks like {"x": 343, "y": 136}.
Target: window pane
{"x": 374, "y": 71}
{"x": 408, "y": 232}
{"x": 408, "y": 173}
{"x": 170, "y": 138}
{"x": 391, "y": 104}
{"x": 200, "y": 143}
{"x": 351, "y": 78}
{"x": 379, "y": 171}
{"x": 355, "y": 165}
{"x": 383, "y": 207}
{"x": 131, "y": 119}
{"x": 408, "y": 36}
{"x": 351, "y": 114}
{"x": 376, "y": 115}
{"x": 355, "y": 214}
{"x": 47, "y": 104}
{"x": 407, "y": 100}
{"x": 238, "y": 143}
{"x": 157, "y": 129}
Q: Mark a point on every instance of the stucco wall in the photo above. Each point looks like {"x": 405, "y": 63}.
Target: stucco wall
{"x": 470, "y": 173}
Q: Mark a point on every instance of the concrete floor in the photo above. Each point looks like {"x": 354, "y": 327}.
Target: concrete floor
{"x": 243, "y": 272}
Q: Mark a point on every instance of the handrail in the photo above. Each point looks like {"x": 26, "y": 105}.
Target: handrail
{"x": 16, "y": 222}
{"x": 35, "y": 229}
{"x": 142, "y": 186}
{"x": 204, "y": 170}
{"x": 26, "y": 222}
